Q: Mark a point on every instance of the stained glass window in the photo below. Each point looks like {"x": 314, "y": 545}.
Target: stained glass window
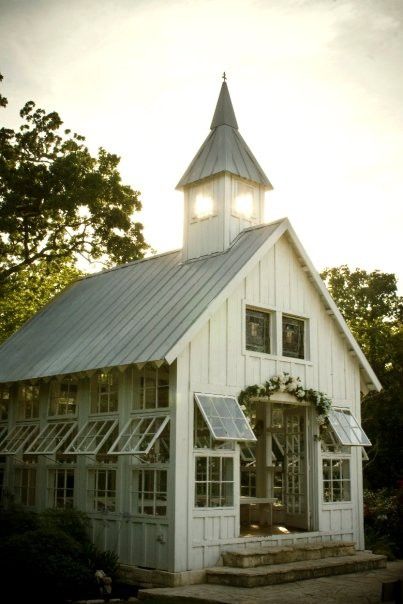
{"x": 257, "y": 331}
{"x": 293, "y": 337}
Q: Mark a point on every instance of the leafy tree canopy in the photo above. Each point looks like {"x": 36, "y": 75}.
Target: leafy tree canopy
{"x": 57, "y": 201}
{"x": 373, "y": 310}
{"x": 24, "y": 293}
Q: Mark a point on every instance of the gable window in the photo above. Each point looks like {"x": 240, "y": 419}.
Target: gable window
{"x": 214, "y": 481}
{"x": 102, "y": 490}
{"x": 61, "y": 488}
{"x": 63, "y": 397}
{"x": 257, "y": 331}
{"x": 25, "y": 486}
{"x": 154, "y": 387}
{"x": 150, "y": 496}
{"x": 104, "y": 393}
{"x": 293, "y": 337}
{"x": 28, "y": 402}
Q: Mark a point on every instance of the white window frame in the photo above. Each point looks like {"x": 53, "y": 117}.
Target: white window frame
{"x": 232, "y": 418}
{"x": 91, "y": 437}
{"x": 4, "y": 402}
{"x": 18, "y": 437}
{"x": 209, "y": 483}
{"x": 349, "y": 435}
{"x": 140, "y": 402}
{"x": 331, "y": 460}
{"x": 28, "y": 408}
{"x": 54, "y": 491}
{"x": 110, "y": 380}
{"x": 57, "y": 433}
{"x": 23, "y": 492}
{"x": 62, "y": 402}
{"x": 305, "y": 321}
{"x": 101, "y": 500}
{"x": 157, "y": 499}
{"x": 140, "y": 426}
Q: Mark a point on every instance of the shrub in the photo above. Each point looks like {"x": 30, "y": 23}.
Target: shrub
{"x": 71, "y": 521}
{"x": 383, "y": 519}
{"x": 16, "y": 520}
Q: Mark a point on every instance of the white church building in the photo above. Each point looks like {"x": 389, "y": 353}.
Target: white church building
{"x": 120, "y": 397}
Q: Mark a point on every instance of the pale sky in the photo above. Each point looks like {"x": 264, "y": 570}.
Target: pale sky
{"x": 317, "y": 88}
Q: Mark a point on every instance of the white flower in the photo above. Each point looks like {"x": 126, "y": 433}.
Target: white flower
{"x": 320, "y": 420}
{"x": 243, "y": 407}
{"x": 282, "y": 388}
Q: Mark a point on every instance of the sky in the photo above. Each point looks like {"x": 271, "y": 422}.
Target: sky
{"x": 316, "y": 85}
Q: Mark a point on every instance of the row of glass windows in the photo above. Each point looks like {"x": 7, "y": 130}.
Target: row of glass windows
{"x": 260, "y": 334}
{"x": 152, "y": 392}
{"x": 148, "y": 492}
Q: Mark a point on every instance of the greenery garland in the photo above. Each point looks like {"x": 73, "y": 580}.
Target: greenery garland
{"x": 284, "y": 382}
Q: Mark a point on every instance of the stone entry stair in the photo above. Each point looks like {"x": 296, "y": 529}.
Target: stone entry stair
{"x": 274, "y": 565}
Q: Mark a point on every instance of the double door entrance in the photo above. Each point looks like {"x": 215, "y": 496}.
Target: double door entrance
{"x": 277, "y": 467}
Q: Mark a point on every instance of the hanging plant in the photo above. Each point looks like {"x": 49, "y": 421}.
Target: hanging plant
{"x": 284, "y": 382}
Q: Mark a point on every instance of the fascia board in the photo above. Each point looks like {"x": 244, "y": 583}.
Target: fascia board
{"x": 366, "y": 367}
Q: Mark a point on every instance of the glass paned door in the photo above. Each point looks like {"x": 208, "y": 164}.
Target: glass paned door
{"x": 295, "y": 466}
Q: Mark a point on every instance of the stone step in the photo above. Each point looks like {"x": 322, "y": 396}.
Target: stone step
{"x": 294, "y": 571}
{"x": 249, "y": 558}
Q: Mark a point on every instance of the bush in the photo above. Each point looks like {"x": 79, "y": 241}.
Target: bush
{"x": 49, "y": 556}
{"x": 383, "y": 522}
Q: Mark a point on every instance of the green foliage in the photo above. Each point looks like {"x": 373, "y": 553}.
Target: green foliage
{"x": 374, "y": 312}
{"x": 57, "y": 201}
{"x": 49, "y": 555}
{"x": 284, "y": 382}
{"x": 383, "y": 521}
{"x": 24, "y": 293}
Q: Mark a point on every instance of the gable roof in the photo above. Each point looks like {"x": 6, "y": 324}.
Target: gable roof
{"x": 148, "y": 310}
{"x": 224, "y": 149}
{"x": 131, "y": 314}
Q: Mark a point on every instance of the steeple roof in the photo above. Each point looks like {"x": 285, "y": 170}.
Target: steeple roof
{"x": 224, "y": 149}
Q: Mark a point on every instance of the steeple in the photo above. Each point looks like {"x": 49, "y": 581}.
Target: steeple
{"x": 224, "y": 183}
{"x": 224, "y": 111}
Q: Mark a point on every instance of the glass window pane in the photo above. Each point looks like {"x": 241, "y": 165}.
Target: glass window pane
{"x": 293, "y": 337}
{"x": 257, "y": 331}
{"x": 224, "y": 417}
{"x": 347, "y": 428}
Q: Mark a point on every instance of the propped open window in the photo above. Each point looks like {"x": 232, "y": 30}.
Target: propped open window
{"x": 51, "y": 438}
{"x": 18, "y": 438}
{"x": 91, "y": 437}
{"x": 139, "y": 435}
{"x": 224, "y": 417}
{"x": 347, "y": 429}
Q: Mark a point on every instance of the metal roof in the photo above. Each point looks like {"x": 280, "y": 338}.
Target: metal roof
{"x": 224, "y": 150}
{"x": 131, "y": 314}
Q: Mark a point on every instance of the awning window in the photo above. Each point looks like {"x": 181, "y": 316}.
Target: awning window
{"x": 18, "y": 438}
{"x": 51, "y": 438}
{"x": 139, "y": 435}
{"x": 91, "y": 437}
{"x": 224, "y": 417}
{"x": 347, "y": 429}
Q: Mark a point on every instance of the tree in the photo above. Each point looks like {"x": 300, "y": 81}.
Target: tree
{"x": 24, "y": 293}
{"x": 58, "y": 202}
{"x": 374, "y": 312}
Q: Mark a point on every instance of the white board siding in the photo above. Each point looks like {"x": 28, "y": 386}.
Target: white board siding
{"x": 217, "y": 362}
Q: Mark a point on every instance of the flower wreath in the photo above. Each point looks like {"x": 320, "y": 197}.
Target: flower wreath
{"x": 284, "y": 382}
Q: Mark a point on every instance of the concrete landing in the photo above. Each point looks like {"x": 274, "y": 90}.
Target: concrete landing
{"x": 356, "y": 588}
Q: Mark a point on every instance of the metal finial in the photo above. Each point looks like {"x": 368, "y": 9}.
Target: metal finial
{"x": 224, "y": 76}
